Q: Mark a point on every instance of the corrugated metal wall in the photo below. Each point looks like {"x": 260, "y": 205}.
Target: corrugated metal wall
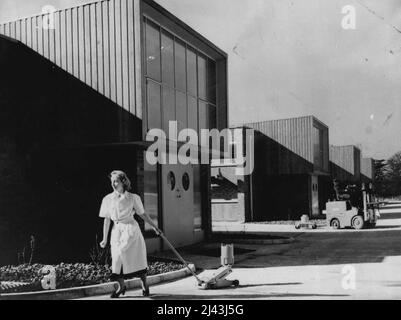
{"x": 357, "y": 163}
{"x": 346, "y": 159}
{"x": 294, "y": 134}
{"x": 367, "y": 168}
{"x": 99, "y": 43}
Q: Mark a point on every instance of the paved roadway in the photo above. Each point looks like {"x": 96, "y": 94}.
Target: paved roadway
{"x": 348, "y": 264}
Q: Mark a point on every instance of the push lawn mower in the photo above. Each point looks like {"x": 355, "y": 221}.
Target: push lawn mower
{"x": 216, "y": 281}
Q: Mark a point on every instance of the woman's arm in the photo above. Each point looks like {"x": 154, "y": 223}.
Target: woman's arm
{"x": 145, "y": 217}
{"x": 106, "y": 226}
{"x": 140, "y": 210}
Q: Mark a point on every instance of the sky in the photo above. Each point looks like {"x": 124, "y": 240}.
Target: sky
{"x": 290, "y": 58}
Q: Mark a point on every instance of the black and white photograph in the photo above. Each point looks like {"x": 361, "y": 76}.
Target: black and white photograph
{"x": 214, "y": 151}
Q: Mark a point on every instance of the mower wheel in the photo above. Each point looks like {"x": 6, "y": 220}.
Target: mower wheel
{"x": 236, "y": 283}
{"x": 204, "y": 286}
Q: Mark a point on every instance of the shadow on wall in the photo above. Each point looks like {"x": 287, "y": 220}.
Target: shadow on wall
{"x": 341, "y": 174}
{"x": 281, "y": 181}
{"x": 51, "y": 186}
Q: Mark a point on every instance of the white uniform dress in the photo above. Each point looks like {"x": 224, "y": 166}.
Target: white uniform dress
{"x": 128, "y": 248}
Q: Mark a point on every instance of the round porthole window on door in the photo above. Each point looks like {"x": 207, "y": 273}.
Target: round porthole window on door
{"x": 171, "y": 180}
{"x": 185, "y": 181}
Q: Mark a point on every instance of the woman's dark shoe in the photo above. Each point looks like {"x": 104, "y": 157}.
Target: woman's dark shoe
{"x": 116, "y": 294}
{"x": 146, "y": 293}
{"x": 124, "y": 290}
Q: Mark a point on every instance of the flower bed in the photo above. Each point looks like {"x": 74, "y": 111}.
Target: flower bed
{"x": 70, "y": 275}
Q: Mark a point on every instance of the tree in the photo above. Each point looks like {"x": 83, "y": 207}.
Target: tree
{"x": 393, "y": 174}
{"x": 388, "y": 176}
{"x": 381, "y": 185}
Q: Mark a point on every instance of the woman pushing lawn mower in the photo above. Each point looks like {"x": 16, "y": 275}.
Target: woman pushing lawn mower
{"x": 128, "y": 248}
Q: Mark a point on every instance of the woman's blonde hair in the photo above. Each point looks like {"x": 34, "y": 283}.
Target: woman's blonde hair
{"x": 123, "y": 178}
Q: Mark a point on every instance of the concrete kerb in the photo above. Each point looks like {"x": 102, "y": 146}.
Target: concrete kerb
{"x": 96, "y": 290}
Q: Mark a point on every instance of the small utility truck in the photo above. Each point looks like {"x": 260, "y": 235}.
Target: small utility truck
{"x": 342, "y": 214}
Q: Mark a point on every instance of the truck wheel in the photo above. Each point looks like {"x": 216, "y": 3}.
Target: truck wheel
{"x": 335, "y": 224}
{"x": 358, "y": 223}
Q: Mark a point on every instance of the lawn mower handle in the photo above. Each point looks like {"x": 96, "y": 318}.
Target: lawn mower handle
{"x": 161, "y": 235}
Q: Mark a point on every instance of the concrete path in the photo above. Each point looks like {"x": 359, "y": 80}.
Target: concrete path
{"x": 307, "y": 282}
{"x": 319, "y": 265}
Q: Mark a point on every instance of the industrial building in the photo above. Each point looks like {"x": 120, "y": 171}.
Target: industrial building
{"x": 77, "y": 100}
{"x": 345, "y": 163}
{"x": 367, "y": 170}
{"x": 291, "y": 164}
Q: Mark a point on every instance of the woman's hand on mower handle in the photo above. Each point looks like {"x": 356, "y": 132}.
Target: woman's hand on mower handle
{"x": 157, "y": 231}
